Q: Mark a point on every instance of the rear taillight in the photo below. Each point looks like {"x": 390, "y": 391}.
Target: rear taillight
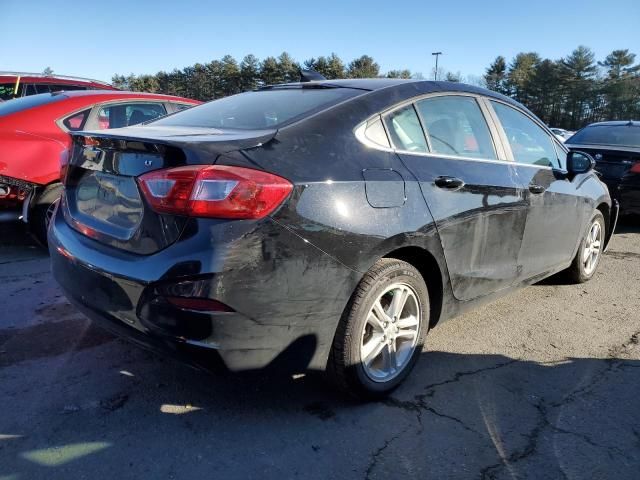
{"x": 216, "y": 191}
{"x": 635, "y": 168}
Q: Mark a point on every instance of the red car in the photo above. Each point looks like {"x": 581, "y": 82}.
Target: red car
{"x": 21, "y": 84}
{"x": 34, "y": 139}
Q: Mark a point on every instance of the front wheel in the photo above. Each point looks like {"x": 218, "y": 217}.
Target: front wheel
{"x": 587, "y": 259}
{"x": 381, "y": 334}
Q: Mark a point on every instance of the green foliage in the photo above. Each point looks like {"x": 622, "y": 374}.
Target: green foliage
{"x": 573, "y": 91}
{"x": 568, "y": 93}
{"x": 363, "y": 67}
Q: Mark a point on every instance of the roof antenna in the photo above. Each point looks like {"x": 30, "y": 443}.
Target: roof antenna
{"x": 310, "y": 75}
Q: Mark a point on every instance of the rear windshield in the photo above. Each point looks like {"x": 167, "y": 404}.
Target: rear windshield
{"x": 260, "y": 109}
{"x": 20, "y": 104}
{"x": 619, "y": 135}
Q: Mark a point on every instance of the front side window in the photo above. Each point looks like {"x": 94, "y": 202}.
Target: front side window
{"x": 128, "y": 114}
{"x": 530, "y": 144}
{"x": 406, "y": 131}
{"x": 455, "y": 125}
{"x": 260, "y": 109}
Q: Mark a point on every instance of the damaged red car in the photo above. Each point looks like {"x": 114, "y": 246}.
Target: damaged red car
{"x": 34, "y": 138}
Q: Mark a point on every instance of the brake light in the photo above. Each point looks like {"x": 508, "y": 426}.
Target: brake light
{"x": 635, "y": 168}
{"x": 216, "y": 191}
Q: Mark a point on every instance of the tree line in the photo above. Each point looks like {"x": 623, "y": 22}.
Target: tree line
{"x": 568, "y": 93}
{"x": 573, "y": 91}
{"x": 227, "y": 76}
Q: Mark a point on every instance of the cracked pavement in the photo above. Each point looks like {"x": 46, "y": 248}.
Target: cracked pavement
{"x": 543, "y": 384}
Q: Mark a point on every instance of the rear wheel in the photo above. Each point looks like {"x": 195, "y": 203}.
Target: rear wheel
{"x": 587, "y": 259}
{"x": 381, "y": 334}
{"x": 42, "y": 211}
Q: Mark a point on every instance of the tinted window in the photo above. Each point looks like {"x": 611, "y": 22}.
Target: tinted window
{"x": 60, "y": 87}
{"x": 405, "y": 130}
{"x": 128, "y": 114}
{"x": 77, "y": 120}
{"x": 456, "y": 126}
{"x": 182, "y": 106}
{"x": 261, "y": 109}
{"x": 621, "y": 135}
{"x": 20, "y": 104}
{"x": 530, "y": 144}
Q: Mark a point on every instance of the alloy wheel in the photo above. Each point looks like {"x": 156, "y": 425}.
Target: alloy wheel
{"x": 592, "y": 248}
{"x": 390, "y": 333}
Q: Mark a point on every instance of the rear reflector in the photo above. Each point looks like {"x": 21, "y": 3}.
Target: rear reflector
{"x": 216, "y": 191}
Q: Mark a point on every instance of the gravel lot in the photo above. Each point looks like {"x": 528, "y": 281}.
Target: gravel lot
{"x": 542, "y": 384}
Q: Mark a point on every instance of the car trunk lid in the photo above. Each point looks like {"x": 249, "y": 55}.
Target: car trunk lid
{"x": 102, "y": 197}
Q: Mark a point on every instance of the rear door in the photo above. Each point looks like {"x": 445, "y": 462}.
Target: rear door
{"x": 471, "y": 188}
{"x": 556, "y": 209}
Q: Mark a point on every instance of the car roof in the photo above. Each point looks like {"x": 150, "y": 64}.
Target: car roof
{"x": 43, "y": 77}
{"x": 115, "y": 94}
{"x": 419, "y": 86}
{"x": 616, "y": 123}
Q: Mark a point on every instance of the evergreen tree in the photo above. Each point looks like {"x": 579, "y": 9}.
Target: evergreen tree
{"x": 249, "y": 73}
{"x": 495, "y": 76}
{"x": 363, "y": 67}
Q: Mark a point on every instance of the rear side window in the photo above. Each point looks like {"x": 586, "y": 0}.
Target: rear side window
{"x": 455, "y": 125}
{"x": 24, "y": 103}
{"x": 620, "y": 135}
{"x": 406, "y": 131}
{"x": 530, "y": 144}
{"x": 260, "y": 109}
{"x": 77, "y": 120}
{"x": 128, "y": 114}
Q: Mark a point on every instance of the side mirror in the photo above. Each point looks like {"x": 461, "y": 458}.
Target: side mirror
{"x": 579, "y": 162}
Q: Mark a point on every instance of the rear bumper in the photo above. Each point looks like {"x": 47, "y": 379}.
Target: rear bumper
{"x": 627, "y": 192}
{"x": 280, "y": 318}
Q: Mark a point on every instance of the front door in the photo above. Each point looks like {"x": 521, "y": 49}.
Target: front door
{"x": 472, "y": 192}
{"x": 556, "y": 210}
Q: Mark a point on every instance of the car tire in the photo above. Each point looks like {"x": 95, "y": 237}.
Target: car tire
{"x": 584, "y": 267}
{"x": 41, "y": 211}
{"x": 400, "y": 331}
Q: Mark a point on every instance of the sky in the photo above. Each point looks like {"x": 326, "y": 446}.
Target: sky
{"x": 98, "y": 39}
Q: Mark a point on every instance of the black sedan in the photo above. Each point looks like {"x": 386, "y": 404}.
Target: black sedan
{"x": 322, "y": 225}
{"x": 616, "y": 148}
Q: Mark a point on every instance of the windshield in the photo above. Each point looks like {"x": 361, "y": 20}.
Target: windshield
{"x": 24, "y": 103}
{"x": 260, "y": 109}
{"x": 619, "y": 135}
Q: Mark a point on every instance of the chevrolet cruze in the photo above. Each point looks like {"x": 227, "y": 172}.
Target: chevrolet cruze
{"x": 321, "y": 225}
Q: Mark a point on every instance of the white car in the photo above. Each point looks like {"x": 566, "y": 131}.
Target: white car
{"x": 562, "y": 134}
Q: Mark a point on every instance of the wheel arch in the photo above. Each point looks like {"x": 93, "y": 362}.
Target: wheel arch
{"x": 425, "y": 262}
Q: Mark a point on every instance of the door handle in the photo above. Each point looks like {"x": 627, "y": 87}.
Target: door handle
{"x": 536, "y": 188}
{"x": 450, "y": 183}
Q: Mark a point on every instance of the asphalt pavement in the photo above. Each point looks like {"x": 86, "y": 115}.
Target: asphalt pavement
{"x": 543, "y": 384}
